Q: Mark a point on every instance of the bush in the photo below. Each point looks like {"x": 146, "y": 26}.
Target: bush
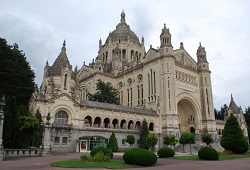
{"x": 102, "y": 149}
{"x": 233, "y": 138}
{"x": 139, "y": 156}
{"x": 99, "y": 157}
{"x": 84, "y": 157}
{"x": 165, "y": 152}
{"x": 208, "y": 153}
{"x": 113, "y": 145}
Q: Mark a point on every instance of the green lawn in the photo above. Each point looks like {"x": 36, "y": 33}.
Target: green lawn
{"x": 222, "y": 156}
{"x": 77, "y": 163}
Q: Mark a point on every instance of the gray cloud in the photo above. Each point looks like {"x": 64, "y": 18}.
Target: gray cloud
{"x": 222, "y": 26}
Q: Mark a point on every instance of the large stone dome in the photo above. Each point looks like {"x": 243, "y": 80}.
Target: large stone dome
{"x": 122, "y": 32}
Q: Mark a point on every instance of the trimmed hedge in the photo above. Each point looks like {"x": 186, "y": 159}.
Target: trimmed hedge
{"x": 102, "y": 149}
{"x": 208, "y": 153}
{"x": 165, "y": 152}
{"x": 139, "y": 156}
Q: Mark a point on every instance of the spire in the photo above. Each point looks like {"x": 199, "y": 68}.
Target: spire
{"x": 64, "y": 46}
{"x": 123, "y": 16}
{"x": 61, "y": 61}
{"x": 231, "y": 96}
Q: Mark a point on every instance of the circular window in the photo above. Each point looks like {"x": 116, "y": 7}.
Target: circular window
{"x": 139, "y": 78}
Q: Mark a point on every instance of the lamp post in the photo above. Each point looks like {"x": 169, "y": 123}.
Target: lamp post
{"x": 2, "y": 104}
{"x": 46, "y": 139}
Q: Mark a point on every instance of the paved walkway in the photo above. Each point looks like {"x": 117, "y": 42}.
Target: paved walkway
{"x": 42, "y": 163}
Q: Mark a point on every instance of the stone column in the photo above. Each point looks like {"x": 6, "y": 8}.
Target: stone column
{"x": 46, "y": 148}
{"x": 2, "y": 104}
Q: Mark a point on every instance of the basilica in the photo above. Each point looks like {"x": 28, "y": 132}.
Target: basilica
{"x": 165, "y": 86}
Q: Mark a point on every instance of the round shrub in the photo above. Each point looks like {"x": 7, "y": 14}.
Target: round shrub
{"x": 165, "y": 152}
{"x": 102, "y": 149}
{"x": 139, "y": 156}
{"x": 208, "y": 153}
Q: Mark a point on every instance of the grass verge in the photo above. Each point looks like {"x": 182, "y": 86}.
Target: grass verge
{"x": 77, "y": 163}
{"x": 222, "y": 156}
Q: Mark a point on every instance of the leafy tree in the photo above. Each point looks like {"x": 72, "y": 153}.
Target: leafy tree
{"x": 37, "y": 138}
{"x": 233, "y": 138}
{"x": 170, "y": 140}
{"x": 106, "y": 93}
{"x": 130, "y": 139}
{"x": 167, "y": 140}
{"x": 10, "y": 123}
{"x": 151, "y": 141}
{"x": 187, "y": 138}
{"x": 113, "y": 145}
{"x": 144, "y": 132}
{"x": 17, "y": 78}
{"x": 27, "y": 128}
{"x": 247, "y": 118}
{"x": 206, "y": 137}
{"x": 17, "y": 84}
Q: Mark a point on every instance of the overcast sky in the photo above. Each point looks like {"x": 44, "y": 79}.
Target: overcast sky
{"x": 223, "y": 27}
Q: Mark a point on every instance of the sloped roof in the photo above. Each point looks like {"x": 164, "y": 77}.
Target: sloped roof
{"x": 233, "y": 106}
{"x": 117, "y": 107}
{"x": 61, "y": 62}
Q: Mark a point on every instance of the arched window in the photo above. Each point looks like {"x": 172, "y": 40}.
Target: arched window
{"x": 61, "y": 117}
{"x": 151, "y": 126}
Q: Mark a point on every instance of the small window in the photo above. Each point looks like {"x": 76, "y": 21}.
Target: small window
{"x": 64, "y": 140}
{"x": 123, "y": 141}
{"x": 56, "y": 140}
{"x": 106, "y": 141}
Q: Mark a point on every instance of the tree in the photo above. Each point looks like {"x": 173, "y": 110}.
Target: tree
{"x": 144, "y": 132}
{"x": 187, "y": 138}
{"x": 17, "y": 84}
{"x": 112, "y": 144}
{"x": 233, "y": 138}
{"x": 17, "y": 78}
{"x": 206, "y": 137}
{"x": 167, "y": 140}
{"x": 10, "y": 123}
{"x": 247, "y": 118}
{"x": 37, "y": 138}
{"x": 130, "y": 139}
{"x": 151, "y": 141}
{"x": 106, "y": 93}
{"x": 170, "y": 140}
{"x": 27, "y": 128}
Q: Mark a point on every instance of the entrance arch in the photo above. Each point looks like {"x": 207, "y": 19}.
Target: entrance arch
{"x": 188, "y": 116}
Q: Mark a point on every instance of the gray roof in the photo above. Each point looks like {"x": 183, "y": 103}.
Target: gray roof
{"x": 95, "y": 104}
{"x": 233, "y": 106}
{"x": 61, "y": 62}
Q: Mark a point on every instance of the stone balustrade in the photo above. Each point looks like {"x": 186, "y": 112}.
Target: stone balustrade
{"x": 21, "y": 152}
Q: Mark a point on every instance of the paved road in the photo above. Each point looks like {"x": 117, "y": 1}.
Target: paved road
{"x": 42, "y": 163}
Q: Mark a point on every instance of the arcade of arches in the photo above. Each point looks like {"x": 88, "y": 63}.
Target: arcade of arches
{"x": 114, "y": 123}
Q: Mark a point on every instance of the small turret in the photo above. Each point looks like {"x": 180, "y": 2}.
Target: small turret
{"x": 201, "y": 54}
{"x": 165, "y": 37}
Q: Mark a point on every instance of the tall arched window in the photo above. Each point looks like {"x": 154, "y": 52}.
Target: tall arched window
{"x": 61, "y": 117}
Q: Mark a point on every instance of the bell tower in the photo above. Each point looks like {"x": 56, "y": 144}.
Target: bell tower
{"x": 207, "y": 107}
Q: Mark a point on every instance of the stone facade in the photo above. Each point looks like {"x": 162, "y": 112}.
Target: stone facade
{"x": 166, "y": 86}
